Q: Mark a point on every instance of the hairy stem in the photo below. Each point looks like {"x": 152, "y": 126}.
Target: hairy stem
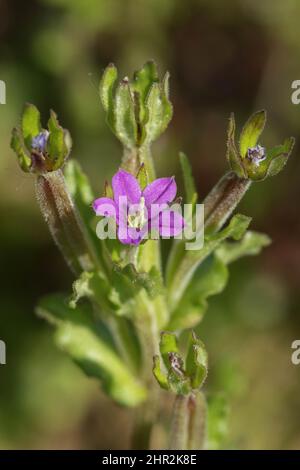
{"x": 179, "y": 424}
{"x": 223, "y": 199}
{"x": 64, "y": 222}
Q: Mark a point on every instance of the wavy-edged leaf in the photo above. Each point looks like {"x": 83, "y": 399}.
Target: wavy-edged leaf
{"x": 190, "y": 260}
{"x": 82, "y": 339}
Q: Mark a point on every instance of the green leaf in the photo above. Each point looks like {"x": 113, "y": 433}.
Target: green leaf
{"x": 210, "y": 279}
{"x": 106, "y": 86}
{"x": 252, "y": 131}
{"x": 78, "y": 335}
{"x": 251, "y": 244}
{"x": 232, "y": 152}
{"x": 189, "y": 183}
{"x": 18, "y": 147}
{"x": 124, "y": 115}
{"x": 30, "y": 124}
{"x": 95, "y": 287}
{"x": 190, "y": 260}
{"x": 159, "y": 374}
{"x": 159, "y": 113}
{"x": 57, "y": 148}
{"x": 168, "y": 344}
{"x": 196, "y": 362}
{"x": 127, "y": 283}
{"x": 218, "y": 412}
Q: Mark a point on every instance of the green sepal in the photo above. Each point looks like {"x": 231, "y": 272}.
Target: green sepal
{"x": 30, "y": 124}
{"x": 168, "y": 344}
{"x": 18, "y": 146}
{"x": 233, "y": 157}
{"x": 106, "y": 86}
{"x": 159, "y": 375}
{"x": 196, "y": 362}
{"x": 252, "y": 131}
{"x": 142, "y": 82}
{"x": 58, "y": 145}
{"x": 158, "y": 115}
{"x": 125, "y": 125}
{"x": 143, "y": 177}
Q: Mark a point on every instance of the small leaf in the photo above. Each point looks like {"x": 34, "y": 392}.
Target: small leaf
{"x": 83, "y": 340}
{"x": 106, "y": 86}
{"x": 210, "y": 279}
{"x": 232, "y": 152}
{"x": 159, "y": 374}
{"x": 18, "y": 147}
{"x": 251, "y": 244}
{"x": 252, "y": 131}
{"x": 95, "y": 287}
{"x": 30, "y": 124}
{"x": 189, "y": 183}
{"x": 124, "y": 115}
{"x": 196, "y": 362}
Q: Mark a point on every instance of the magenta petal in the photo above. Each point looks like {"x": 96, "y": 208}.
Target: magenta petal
{"x": 106, "y": 207}
{"x": 171, "y": 223}
{"x": 160, "y": 191}
{"x": 125, "y": 184}
{"x": 132, "y": 236}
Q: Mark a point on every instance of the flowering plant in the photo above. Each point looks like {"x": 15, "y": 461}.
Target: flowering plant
{"x": 131, "y": 320}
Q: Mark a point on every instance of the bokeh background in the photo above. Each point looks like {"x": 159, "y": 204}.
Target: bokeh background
{"x": 223, "y": 55}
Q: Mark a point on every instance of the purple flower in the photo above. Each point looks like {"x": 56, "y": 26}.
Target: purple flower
{"x": 138, "y": 213}
{"x": 40, "y": 141}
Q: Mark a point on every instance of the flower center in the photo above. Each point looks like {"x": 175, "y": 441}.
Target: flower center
{"x": 40, "y": 141}
{"x": 137, "y": 218}
{"x": 256, "y": 154}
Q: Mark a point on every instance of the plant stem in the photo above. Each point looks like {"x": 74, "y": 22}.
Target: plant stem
{"x": 179, "y": 424}
{"x": 64, "y": 222}
{"x": 223, "y": 199}
{"x": 197, "y": 421}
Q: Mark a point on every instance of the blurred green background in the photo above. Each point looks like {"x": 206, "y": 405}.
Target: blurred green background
{"x": 223, "y": 55}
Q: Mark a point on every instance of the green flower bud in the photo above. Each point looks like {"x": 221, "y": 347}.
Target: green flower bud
{"x": 138, "y": 111}
{"x": 182, "y": 377}
{"x": 252, "y": 161}
{"x": 40, "y": 150}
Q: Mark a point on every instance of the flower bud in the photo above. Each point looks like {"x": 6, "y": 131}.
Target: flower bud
{"x": 40, "y": 150}
{"x": 252, "y": 161}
